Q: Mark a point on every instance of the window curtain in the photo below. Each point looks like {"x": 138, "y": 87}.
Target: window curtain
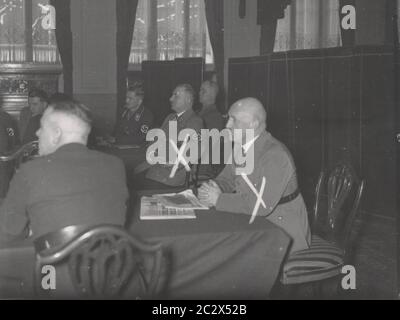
{"x": 64, "y": 40}
{"x": 126, "y": 15}
{"x": 309, "y": 24}
{"x": 268, "y": 13}
{"x": 215, "y": 22}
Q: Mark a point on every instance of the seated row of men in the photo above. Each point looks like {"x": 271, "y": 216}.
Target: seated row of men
{"x": 136, "y": 119}
{"x": 71, "y": 184}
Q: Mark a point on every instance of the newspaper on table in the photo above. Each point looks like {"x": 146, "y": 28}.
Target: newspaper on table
{"x": 183, "y": 200}
{"x": 170, "y": 206}
{"x": 152, "y": 209}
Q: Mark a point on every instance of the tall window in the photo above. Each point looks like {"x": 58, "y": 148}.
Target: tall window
{"x": 22, "y": 36}
{"x": 309, "y": 24}
{"x": 169, "y": 29}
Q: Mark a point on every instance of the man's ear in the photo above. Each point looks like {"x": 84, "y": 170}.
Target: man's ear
{"x": 254, "y": 124}
{"x": 57, "y": 134}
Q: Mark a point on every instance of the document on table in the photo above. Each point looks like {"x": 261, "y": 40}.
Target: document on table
{"x": 152, "y": 209}
{"x": 183, "y": 200}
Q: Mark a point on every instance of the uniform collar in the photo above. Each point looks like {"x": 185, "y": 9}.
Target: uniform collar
{"x": 74, "y": 146}
{"x": 248, "y": 144}
{"x": 185, "y": 115}
{"x": 130, "y": 113}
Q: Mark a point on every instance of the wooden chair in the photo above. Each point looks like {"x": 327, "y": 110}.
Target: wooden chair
{"x": 102, "y": 262}
{"x": 332, "y": 226}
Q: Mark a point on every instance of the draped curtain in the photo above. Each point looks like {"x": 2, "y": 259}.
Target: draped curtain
{"x": 268, "y": 13}
{"x": 309, "y": 24}
{"x": 126, "y": 15}
{"x": 64, "y": 40}
{"x": 215, "y": 22}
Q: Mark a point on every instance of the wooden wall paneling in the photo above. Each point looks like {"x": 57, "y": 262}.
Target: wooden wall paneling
{"x": 190, "y": 70}
{"x": 258, "y": 79}
{"x": 338, "y": 112}
{"x": 378, "y": 146}
{"x": 278, "y": 105}
{"x": 307, "y": 104}
{"x": 238, "y": 79}
{"x": 159, "y": 82}
{"x": 17, "y": 80}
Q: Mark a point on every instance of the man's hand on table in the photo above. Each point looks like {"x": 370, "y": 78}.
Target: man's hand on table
{"x": 209, "y": 193}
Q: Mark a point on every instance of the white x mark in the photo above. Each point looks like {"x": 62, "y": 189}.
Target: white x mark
{"x": 180, "y": 158}
{"x": 258, "y": 195}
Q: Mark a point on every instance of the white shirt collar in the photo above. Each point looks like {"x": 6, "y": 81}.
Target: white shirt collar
{"x": 248, "y": 144}
{"x": 180, "y": 113}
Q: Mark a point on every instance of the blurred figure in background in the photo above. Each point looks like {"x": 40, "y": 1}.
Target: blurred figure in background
{"x": 29, "y": 119}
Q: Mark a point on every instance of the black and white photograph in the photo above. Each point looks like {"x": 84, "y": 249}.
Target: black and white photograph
{"x": 199, "y": 154}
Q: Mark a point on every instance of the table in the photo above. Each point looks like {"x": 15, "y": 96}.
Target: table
{"x": 218, "y": 255}
{"x": 131, "y": 157}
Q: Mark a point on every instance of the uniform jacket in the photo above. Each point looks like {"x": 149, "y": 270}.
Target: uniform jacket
{"x": 9, "y": 135}
{"x": 72, "y": 186}
{"x": 273, "y": 161}
{"x": 160, "y": 173}
{"x": 9, "y": 141}
{"x": 24, "y": 117}
{"x": 212, "y": 118}
{"x": 132, "y": 127}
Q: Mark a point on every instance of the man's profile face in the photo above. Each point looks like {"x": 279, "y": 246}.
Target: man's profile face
{"x": 36, "y": 105}
{"x": 132, "y": 100}
{"x": 46, "y": 135}
{"x": 205, "y": 94}
{"x": 239, "y": 120}
{"x": 179, "y": 100}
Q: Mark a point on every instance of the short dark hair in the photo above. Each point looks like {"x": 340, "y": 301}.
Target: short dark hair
{"x": 39, "y": 93}
{"x": 137, "y": 89}
{"x": 74, "y": 108}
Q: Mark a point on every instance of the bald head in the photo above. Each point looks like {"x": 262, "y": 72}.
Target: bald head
{"x": 63, "y": 123}
{"x": 251, "y": 112}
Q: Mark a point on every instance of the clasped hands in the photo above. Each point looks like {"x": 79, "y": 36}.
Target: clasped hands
{"x": 208, "y": 193}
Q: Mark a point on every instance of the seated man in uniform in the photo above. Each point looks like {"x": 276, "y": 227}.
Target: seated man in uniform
{"x": 135, "y": 120}
{"x": 213, "y": 119}
{"x": 232, "y": 192}
{"x": 209, "y": 112}
{"x": 68, "y": 184}
{"x": 29, "y": 119}
{"x": 182, "y": 100}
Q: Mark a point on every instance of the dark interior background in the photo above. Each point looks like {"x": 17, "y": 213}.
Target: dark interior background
{"x": 329, "y": 105}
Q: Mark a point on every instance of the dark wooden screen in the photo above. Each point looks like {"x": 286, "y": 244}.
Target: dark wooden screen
{"x": 329, "y": 105}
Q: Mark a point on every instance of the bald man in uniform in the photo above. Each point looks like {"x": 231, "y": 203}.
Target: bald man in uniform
{"x": 68, "y": 184}
{"x": 272, "y": 160}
